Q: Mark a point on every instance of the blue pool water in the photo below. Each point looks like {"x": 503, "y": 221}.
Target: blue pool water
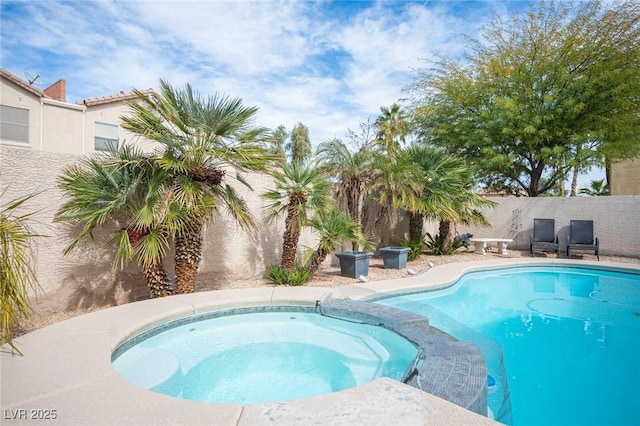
{"x": 262, "y": 357}
{"x": 570, "y": 339}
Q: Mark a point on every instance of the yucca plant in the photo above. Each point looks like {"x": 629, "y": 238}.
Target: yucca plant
{"x": 17, "y": 276}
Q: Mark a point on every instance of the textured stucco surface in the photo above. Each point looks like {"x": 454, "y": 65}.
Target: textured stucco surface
{"x": 86, "y": 277}
{"x": 616, "y": 221}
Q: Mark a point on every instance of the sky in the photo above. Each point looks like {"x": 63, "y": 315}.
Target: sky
{"x": 330, "y": 65}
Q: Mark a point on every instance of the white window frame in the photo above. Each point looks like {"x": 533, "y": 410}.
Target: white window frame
{"x": 14, "y": 124}
{"x": 105, "y": 135}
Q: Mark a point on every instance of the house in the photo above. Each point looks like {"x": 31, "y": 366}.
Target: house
{"x": 43, "y": 120}
{"x": 625, "y": 177}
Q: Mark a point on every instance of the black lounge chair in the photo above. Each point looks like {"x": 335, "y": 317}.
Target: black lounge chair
{"x": 544, "y": 236}
{"x": 581, "y": 237}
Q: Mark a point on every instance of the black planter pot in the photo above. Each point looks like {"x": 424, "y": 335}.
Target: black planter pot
{"x": 354, "y": 263}
{"x": 395, "y": 257}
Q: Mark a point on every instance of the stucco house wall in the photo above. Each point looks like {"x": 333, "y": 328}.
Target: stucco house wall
{"x": 625, "y": 177}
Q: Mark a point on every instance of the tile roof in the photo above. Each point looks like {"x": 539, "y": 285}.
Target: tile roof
{"x": 20, "y": 82}
{"x": 122, "y": 96}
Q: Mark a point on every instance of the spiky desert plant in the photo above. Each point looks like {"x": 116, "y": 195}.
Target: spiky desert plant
{"x": 17, "y": 276}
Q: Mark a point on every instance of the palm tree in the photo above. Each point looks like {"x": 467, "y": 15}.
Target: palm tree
{"x": 124, "y": 184}
{"x": 333, "y": 228}
{"x": 440, "y": 183}
{"x": 352, "y": 172}
{"x": 448, "y": 193}
{"x": 17, "y": 276}
{"x": 201, "y": 140}
{"x": 596, "y": 188}
{"x": 393, "y": 127}
{"x": 300, "y": 190}
{"x": 396, "y": 179}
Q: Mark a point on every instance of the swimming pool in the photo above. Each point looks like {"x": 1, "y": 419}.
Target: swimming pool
{"x": 257, "y": 356}
{"x": 570, "y": 338}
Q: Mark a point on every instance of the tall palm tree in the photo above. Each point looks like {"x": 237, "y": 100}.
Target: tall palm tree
{"x": 352, "y": 172}
{"x": 393, "y": 127}
{"x": 300, "y": 190}
{"x": 124, "y": 184}
{"x": 17, "y": 276}
{"x": 333, "y": 228}
{"x": 396, "y": 180}
{"x": 201, "y": 139}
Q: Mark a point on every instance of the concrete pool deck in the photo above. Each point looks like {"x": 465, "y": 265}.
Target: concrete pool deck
{"x": 66, "y": 369}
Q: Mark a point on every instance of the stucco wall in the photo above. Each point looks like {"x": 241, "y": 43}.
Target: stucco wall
{"x": 86, "y": 277}
{"x": 625, "y": 177}
{"x": 616, "y": 220}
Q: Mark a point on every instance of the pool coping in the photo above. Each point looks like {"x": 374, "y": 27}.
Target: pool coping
{"x": 67, "y": 367}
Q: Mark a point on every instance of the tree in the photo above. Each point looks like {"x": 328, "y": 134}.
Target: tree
{"x": 333, "y": 228}
{"x": 279, "y": 143}
{"x": 447, "y": 194}
{"x": 596, "y": 188}
{"x": 300, "y": 145}
{"x": 352, "y": 172}
{"x": 300, "y": 190}
{"x": 553, "y": 89}
{"x": 17, "y": 276}
{"x": 126, "y": 185}
{"x": 395, "y": 178}
{"x": 201, "y": 139}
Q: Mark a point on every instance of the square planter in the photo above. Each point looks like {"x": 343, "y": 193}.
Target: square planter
{"x": 354, "y": 263}
{"x": 395, "y": 257}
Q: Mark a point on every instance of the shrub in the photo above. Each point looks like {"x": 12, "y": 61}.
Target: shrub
{"x": 416, "y": 246}
{"x": 281, "y": 276}
{"x": 438, "y": 246}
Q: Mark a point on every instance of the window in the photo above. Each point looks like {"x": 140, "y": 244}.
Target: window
{"x": 14, "y": 124}
{"x": 106, "y": 136}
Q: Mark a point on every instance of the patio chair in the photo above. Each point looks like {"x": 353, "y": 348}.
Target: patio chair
{"x": 581, "y": 237}
{"x": 544, "y": 236}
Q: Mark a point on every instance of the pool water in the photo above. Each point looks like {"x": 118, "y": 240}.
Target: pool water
{"x": 263, "y": 357}
{"x": 570, "y": 338}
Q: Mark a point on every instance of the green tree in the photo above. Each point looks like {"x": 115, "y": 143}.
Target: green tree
{"x": 300, "y": 145}
{"x": 553, "y": 89}
{"x": 447, "y": 194}
{"x": 301, "y": 190}
{"x": 333, "y": 228}
{"x": 202, "y": 139}
{"x": 395, "y": 178}
{"x": 17, "y": 276}
{"x": 279, "y": 143}
{"x": 124, "y": 186}
{"x": 596, "y": 188}
{"x": 352, "y": 172}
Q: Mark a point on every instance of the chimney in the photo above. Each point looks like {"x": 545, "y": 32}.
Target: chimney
{"x": 57, "y": 90}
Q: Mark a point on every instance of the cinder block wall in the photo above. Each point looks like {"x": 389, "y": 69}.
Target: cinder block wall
{"x": 616, "y": 220}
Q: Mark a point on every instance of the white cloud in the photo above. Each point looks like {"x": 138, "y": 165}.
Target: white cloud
{"x": 327, "y": 65}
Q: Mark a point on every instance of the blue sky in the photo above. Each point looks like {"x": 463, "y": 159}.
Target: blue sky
{"x": 327, "y": 64}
